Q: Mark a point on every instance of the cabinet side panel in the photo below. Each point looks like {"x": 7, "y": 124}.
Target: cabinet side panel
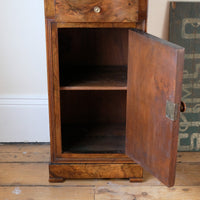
{"x": 53, "y": 88}
{"x": 56, "y": 89}
{"x": 143, "y": 9}
{"x": 50, "y": 83}
{"x": 49, "y": 8}
{"x": 142, "y": 25}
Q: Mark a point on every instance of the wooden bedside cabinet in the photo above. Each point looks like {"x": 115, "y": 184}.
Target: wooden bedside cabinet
{"x": 114, "y": 92}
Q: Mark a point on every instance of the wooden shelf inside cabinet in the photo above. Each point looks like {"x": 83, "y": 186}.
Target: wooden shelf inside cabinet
{"x": 95, "y": 78}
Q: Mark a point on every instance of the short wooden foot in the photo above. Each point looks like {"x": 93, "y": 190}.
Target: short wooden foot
{"x": 53, "y": 179}
{"x": 136, "y": 179}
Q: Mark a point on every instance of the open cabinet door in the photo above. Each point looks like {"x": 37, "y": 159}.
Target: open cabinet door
{"x": 155, "y": 71}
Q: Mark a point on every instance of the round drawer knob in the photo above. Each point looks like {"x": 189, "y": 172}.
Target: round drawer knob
{"x": 97, "y": 9}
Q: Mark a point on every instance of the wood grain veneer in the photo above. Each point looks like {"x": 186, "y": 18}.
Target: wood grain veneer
{"x": 76, "y": 171}
{"x": 83, "y": 11}
{"x": 152, "y": 137}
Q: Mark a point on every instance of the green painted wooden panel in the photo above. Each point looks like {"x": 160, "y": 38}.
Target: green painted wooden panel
{"x": 184, "y": 30}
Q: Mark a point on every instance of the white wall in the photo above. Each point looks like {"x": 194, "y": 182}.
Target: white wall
{"x": 23, "y": 79}
{"x": 23, "y": 82}
{"x": 158, "y": 17}
{"x": 22, "y": 48}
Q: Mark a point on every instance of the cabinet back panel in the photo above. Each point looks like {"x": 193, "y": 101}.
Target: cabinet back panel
{"x": 84, "y": 107}
{"x": 93, "y": 121}
{"x": 92, "y": 46}
{"x": 93, "y": 138}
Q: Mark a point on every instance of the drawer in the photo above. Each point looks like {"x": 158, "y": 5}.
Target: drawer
{"x": 97, "y": 10}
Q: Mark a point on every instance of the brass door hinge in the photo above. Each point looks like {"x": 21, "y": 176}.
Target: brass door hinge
{"x": 172, "y": 110}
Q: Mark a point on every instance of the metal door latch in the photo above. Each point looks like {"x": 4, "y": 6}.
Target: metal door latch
{"x": 172, "y": 109}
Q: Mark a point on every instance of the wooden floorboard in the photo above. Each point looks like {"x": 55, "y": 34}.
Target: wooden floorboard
{"x": 24, "y": 153}
{"x": 46, "y": 193}
{"x": 147, "y": 192}
{"x": 192, "y": 157}
{"x": 24, "y": 176}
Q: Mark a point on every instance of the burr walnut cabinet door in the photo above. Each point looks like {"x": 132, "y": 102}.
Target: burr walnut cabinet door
{"x": 155, "y": 71}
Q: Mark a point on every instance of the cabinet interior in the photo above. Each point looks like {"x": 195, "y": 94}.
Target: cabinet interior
{"x": 93, "y": 84}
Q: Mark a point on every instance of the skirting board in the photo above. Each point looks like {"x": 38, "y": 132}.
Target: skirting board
{"x": 24, "y": 119}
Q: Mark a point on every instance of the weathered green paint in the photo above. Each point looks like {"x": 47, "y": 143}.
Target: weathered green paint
{"x": 185, "y": 31}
